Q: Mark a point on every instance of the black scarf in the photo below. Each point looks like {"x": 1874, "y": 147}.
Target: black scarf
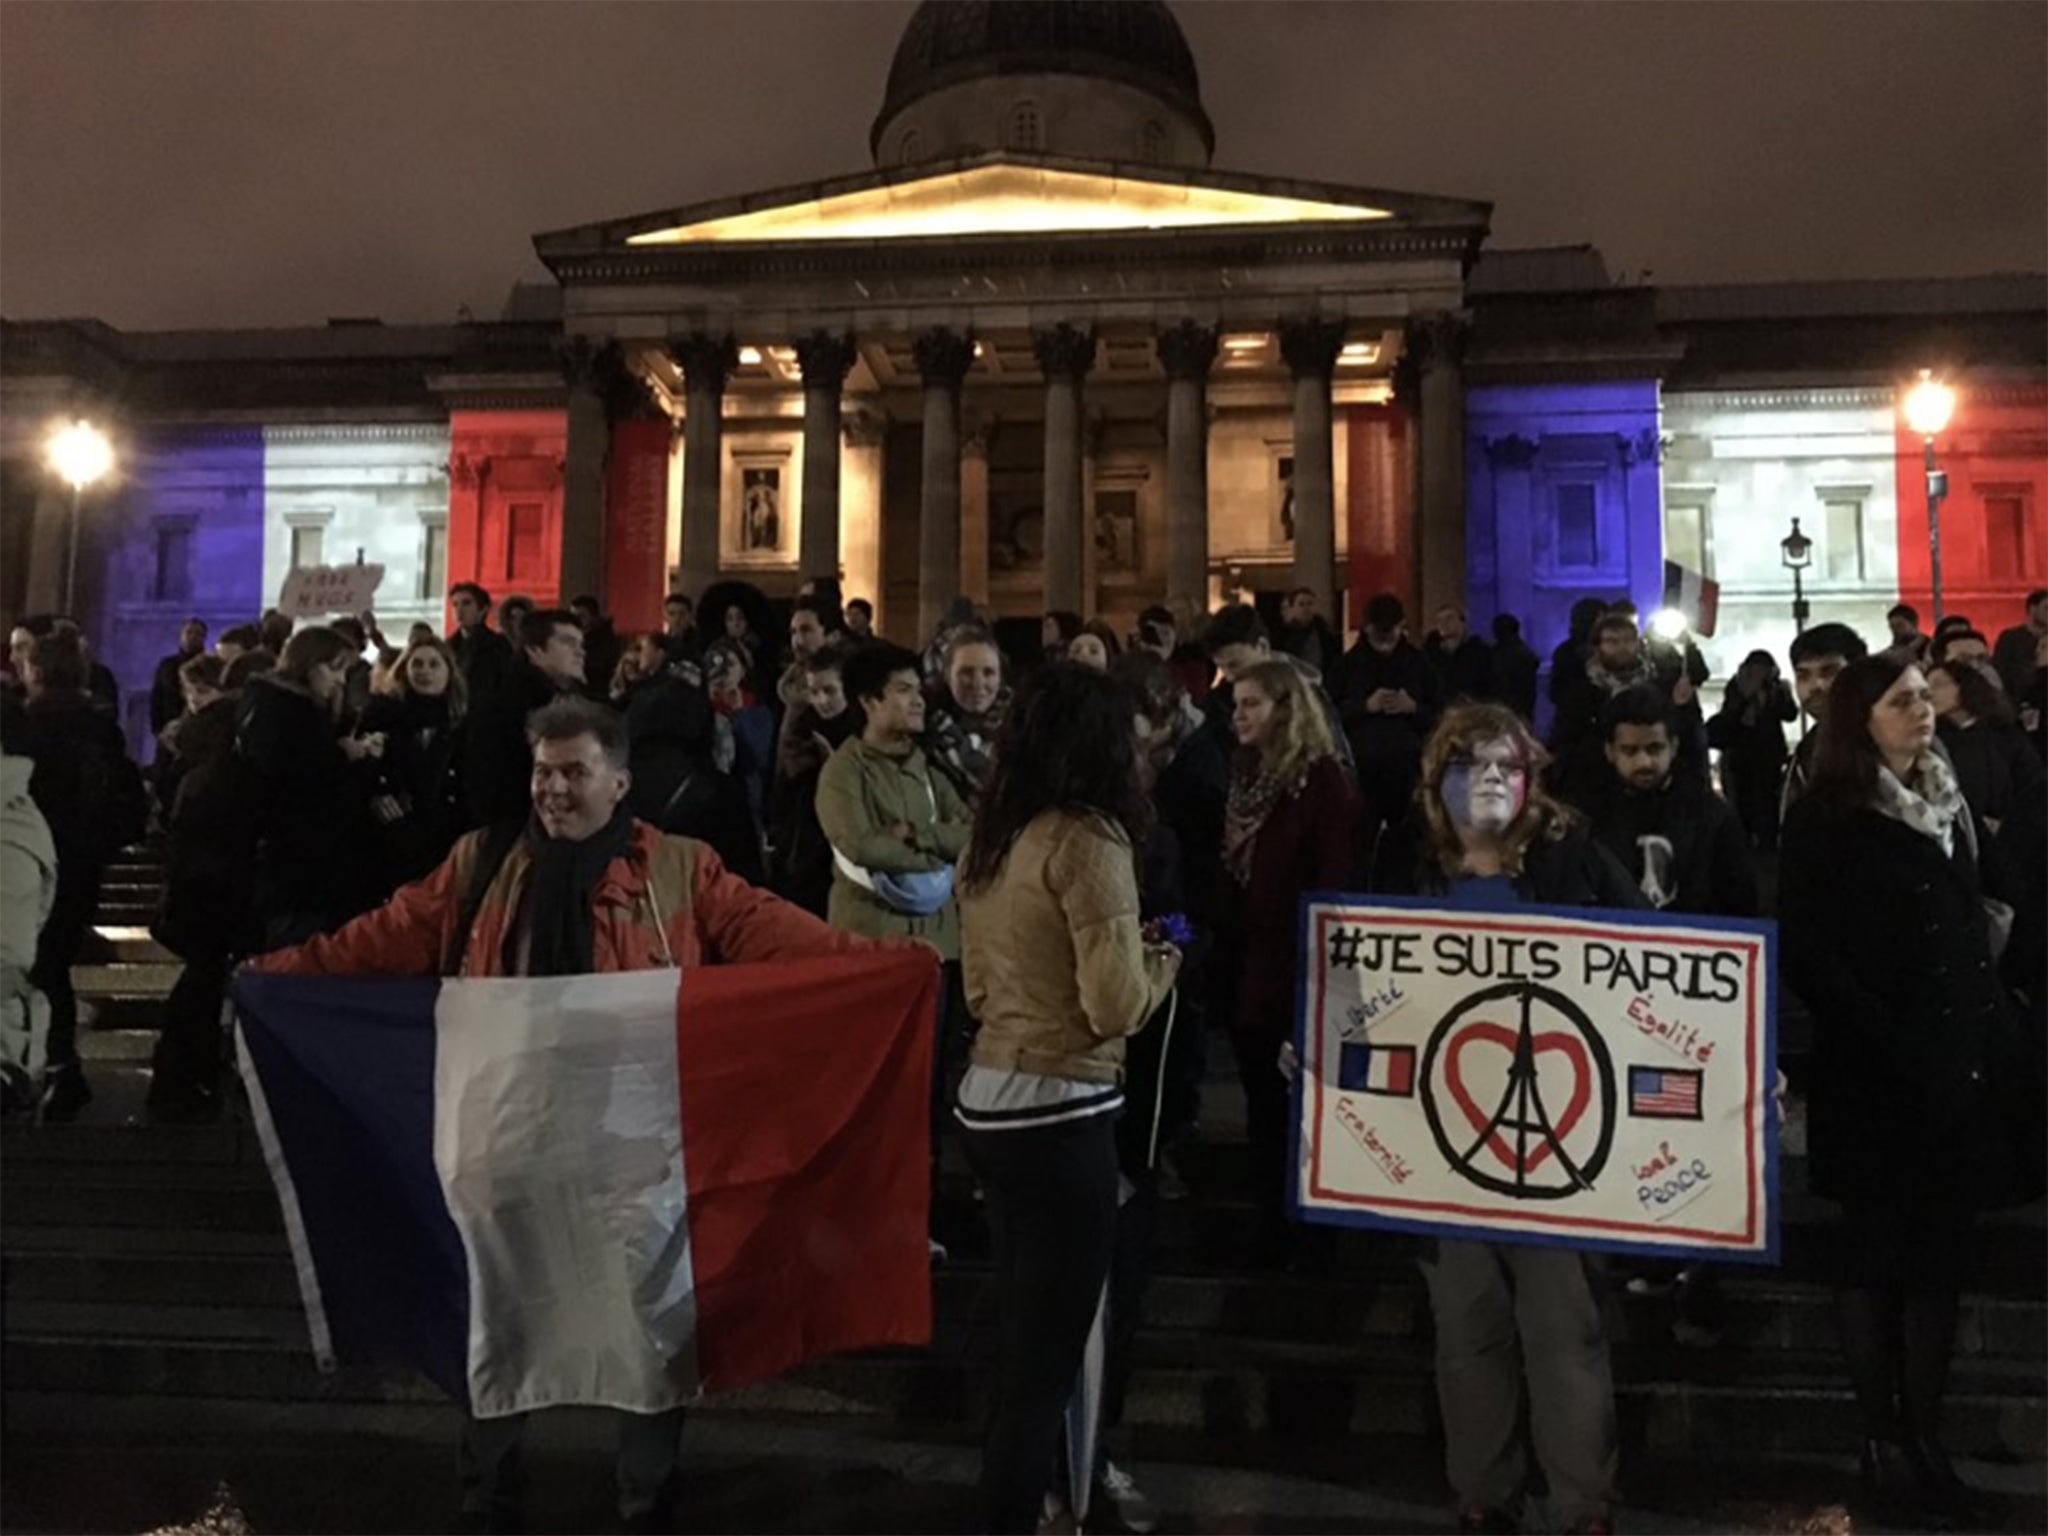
{"x": 560, "y": 923}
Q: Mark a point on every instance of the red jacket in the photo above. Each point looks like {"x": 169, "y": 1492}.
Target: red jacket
{"x": 667, "y": 901}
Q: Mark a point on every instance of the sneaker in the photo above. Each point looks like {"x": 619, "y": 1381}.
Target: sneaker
{"x": 1054, "y": 1518}
{"x": 1120, "y": 1504}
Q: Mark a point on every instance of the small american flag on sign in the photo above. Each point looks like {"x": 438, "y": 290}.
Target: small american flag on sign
{"x": 1658, "y": 1093}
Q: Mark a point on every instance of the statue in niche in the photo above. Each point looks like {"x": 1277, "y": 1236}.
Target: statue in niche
{"x": 1116, "y": 531}
{"x": 1285, "y": 467}
{"x": 760, "y": 511}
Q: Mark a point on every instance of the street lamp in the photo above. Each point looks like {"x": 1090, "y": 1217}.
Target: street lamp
{"x": 79, "y": 455}
{"x": 1797, "y": 551}
{"x": 1928, "y": 406}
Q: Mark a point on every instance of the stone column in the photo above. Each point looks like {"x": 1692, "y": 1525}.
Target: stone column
{"x": 1065, "y": 354}
{"x": 861, "y": 511}
{"x": 1310, "y": 347}
{"x": 943, "y": 357}
{"x": 825, "y": 360}
{"x": 1186, "y": 353}
{"x": 1437, "y": 342}
{"x": 590, "y": 367}
{"x": 974, "y": 509}
{"x": 707, "y": 361}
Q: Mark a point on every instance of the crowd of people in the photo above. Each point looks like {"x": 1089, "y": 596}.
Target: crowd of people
{"x": 1105, "y": 842}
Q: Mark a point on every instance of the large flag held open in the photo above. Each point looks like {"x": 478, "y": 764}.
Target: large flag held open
{"x": 615, "y": 1190}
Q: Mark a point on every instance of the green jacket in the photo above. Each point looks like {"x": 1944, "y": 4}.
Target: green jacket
{"x": 862, "y": 793}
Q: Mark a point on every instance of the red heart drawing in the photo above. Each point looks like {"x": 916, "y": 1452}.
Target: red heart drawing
{"x": 1574, "y": 1051}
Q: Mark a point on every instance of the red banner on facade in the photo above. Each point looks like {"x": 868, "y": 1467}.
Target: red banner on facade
{"x": 636, "y": 525}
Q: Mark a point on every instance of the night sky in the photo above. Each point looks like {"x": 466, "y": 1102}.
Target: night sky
{"x": 187, "y": 164}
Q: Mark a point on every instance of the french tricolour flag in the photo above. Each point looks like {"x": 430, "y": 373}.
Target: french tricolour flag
{"x": 1697, "y": 597}
{"x": 618, "y": 1190}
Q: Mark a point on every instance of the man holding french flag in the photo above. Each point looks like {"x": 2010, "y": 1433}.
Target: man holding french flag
{"x": 653, "y": 1132}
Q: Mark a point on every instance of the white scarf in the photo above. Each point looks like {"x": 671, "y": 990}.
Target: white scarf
{"x": 1931, "y": 804}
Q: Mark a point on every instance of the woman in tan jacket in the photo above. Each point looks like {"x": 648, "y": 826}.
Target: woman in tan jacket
{"x": 1058, "y": 972}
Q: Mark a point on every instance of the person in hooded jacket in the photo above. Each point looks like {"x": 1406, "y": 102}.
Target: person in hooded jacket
{"x": 417, "y": 777}
{"x": 1925, "y": 1092}
{"x": 1512, "y": 1319}
{"x": 315, "y": 865}
{"x": 1389, "y": 699}
{"x": 677, "y": 785}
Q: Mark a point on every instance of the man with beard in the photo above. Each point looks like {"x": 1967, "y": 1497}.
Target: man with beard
{"x": 1618, "y": 661}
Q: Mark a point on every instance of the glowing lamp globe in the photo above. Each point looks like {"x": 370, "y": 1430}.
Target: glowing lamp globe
{"x": 80, "y": 454}
{"x": 1928, "y": 405}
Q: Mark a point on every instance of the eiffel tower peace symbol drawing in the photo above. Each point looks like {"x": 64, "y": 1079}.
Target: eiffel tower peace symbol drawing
{"x": 1519, "y": 1091}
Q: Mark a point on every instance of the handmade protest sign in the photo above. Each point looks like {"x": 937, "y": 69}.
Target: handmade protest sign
{"x": 314, "y": 591}
{"x": 1600, "y": 1079}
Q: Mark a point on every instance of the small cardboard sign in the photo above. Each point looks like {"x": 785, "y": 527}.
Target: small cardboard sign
{"x": 315, "y": 591}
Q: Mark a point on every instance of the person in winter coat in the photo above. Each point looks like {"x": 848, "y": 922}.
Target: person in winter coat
{"x": 750, "y": 724}
{"x": 166, "y": 693}
{"x": 94, "y": 800}
{"x": 1511, "y": 1318}
{"x": 1463, "y": 662}
{"x": 1305, "y": 634}
{"x": 894, "y": 824}
{"x": 677, "y": 784}
{"x": 1925, "y": 1098}
{"x": 808, "y": 634}
{"x": 1514, "y": 667}
{"x": 28, "y": 893}
{"x": 1059, "y": 973}
{"x": 1975, "y": 721}
{"x": 802, "y": 857}
{"x": 1568, "y": 660}
{"x": 965, "y": 712}
{"x": 585, "y": 888}
{"x": 1619, "y": 660}
{"x": 1388, "y": 700}
{"x": 1289, "y": 827}
{"x": 315, "y": 864}
{"x": 1749, "y": 733}
{"x": 417, "y": 775}
{"x": 497, "y": 764}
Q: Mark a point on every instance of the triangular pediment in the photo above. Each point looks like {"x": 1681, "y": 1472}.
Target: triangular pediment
{"x": 1009, "y": 195}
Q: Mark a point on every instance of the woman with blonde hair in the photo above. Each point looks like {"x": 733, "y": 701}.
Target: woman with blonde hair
{"x": 1511, "y": 1316}
{"x": 417, "y": 723}
{"x": 1288, "y": 828}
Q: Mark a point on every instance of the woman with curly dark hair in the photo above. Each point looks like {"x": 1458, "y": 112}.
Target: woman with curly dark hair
{"x": 1058, "y": 973}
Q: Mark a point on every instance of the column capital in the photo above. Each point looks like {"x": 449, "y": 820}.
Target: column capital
{"x": 1511, "y": 452}
{"x": 1187, "y": 350}
{"x": 943, "y": 356}
{"x": 707, "y": 361}
{"x": 1437, "y": 340}
{"x": 1645, "y": 447}
{"x": 1065, "y": 351}
{"x": 825, "y": 358}
{"x": 1311, "y": 345}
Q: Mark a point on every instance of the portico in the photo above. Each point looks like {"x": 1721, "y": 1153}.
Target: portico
{"x": 1107, "y": 386}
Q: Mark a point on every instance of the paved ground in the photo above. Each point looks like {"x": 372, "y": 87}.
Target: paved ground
{"x": 151, "y": 1465}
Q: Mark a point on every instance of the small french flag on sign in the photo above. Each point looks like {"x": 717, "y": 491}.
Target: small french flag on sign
{"x": 1382, "y": 1069}
{"x": 1697, "y": 597}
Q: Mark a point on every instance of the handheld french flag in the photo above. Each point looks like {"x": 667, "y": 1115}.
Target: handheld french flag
{"x": 1697, "y": 597}
{"x": 622, "y": 1190}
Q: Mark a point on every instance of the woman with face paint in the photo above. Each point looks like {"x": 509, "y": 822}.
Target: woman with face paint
{"x": 1508, "y": 1315}
{"x": 1924, "y": 1097}
{"x": 1288, "y": 828}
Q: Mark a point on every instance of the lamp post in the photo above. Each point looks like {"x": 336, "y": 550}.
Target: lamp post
{"x": 1797, "y": 551}
{"x": 1928, "y": 406}
{"x": 80, "y": 455}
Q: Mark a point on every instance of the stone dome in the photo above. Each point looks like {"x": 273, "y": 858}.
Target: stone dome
{"x": 1133, "y": 47}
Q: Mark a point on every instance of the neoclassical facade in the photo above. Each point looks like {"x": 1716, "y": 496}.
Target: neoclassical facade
{"x": 1049, "y": 353}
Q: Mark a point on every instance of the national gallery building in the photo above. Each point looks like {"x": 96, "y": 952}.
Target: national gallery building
{"x": 1048, "y": 353}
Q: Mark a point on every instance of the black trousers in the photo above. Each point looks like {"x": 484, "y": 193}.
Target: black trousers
{"x": 1266, "y": 1108}
{"x": 1051, "y": 1202}
{"x": 188, "y": 1052}
{"x": 63, "y": 936}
